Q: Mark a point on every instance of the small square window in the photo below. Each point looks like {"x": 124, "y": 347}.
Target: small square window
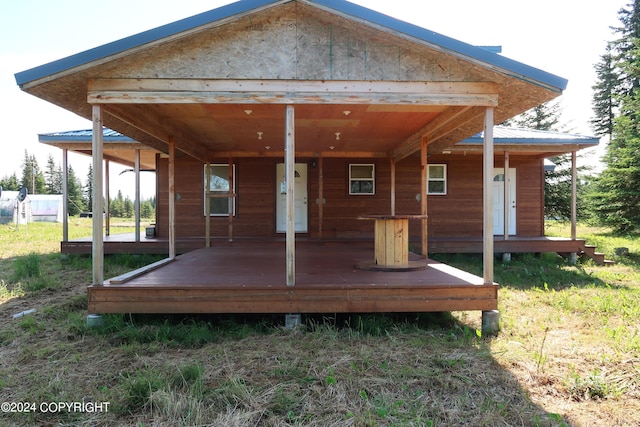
{"x": 362, "y": 179}
{"x": 219, "y": 205}
{"x": 437, "y": 179}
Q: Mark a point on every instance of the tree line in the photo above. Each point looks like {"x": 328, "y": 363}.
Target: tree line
{"x": 80, "y": 197}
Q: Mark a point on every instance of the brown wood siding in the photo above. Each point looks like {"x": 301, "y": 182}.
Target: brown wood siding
{"x": 456, "y": 214}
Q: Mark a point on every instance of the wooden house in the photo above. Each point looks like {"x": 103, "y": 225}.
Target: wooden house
{"x": 304, "y": 146}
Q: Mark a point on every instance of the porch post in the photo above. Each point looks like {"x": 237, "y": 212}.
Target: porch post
{"x": 392, "y": 162}
{"x": 172, "y": 198}
{"x": 574, "y": 196}
{"x": 423, "y": 198}
{"x": 207, "y": 205}
{"x": 232, "y": 199}
{"x": 320, "y": 194}
{"x": 488, "y": 197}
{"x": 107, "y": 199}
{"x": 290, "y": 199}
{"x": 97, "y": 247}
{"x": 65, "y": 195}
{"x": 506, "y": 195}
{"x": 136, "y": 202}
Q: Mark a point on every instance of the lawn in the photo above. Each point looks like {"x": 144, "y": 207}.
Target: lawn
{"x": 568, "y": 353}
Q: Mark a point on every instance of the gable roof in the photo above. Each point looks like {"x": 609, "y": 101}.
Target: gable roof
{"x": 464, "y": 50}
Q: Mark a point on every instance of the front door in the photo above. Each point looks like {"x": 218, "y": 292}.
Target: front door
{"x": 300, "y": 203}
{"x": 498, "y": 200}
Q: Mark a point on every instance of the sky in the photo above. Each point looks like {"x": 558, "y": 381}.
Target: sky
{"x": 563, "y": 37}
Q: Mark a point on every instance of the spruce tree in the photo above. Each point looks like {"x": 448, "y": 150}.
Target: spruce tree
{"x": 616, "y": 198}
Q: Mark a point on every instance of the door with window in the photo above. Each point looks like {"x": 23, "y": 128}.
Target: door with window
{"x": 300, "y": 194}
{"x": 499, "y": 181}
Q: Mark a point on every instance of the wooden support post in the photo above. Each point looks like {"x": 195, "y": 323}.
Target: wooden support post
{"x": 207, "y": 205}
{"x": 574, "y": 196}
{"x": 97, "y": 148}
{"x": 392, "y": 163}
{"x": 507, "y": 208}
{"x": 290, "y": 199}
{"x": 172, "y": 197}
{"x": 423, "y": 198}
{"x": 136, "y": 205}
{"x": 488, "y": 197}
{"x": 65, "y": 195}
{"x": 107, "y": 198}
{"x": 320, "y": 195}
{"x": 231, "y": 200}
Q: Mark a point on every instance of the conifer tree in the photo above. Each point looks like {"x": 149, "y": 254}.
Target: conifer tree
{"x": 616, "y": 198}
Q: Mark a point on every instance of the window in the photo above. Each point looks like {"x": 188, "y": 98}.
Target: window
{"x": 437, "y": 179}
{"x": 362, "y": 179}
{"x": 219, "y": 185}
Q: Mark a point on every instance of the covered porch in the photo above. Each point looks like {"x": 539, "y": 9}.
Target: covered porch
{"x": 251, "y": 277}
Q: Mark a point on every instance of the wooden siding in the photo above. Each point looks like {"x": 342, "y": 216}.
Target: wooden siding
{"x": 456, "y": 214}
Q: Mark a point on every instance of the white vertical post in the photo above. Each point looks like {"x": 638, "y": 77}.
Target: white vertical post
{"x": 107, "y": 199}
{"x": 172, "y": 198}
{"x": 98, "y": 203}
{"x": 507, "y": 208}
{"x": 65, "y": 195}
{"x": 290, "y": 159}
{"x": 574, "y": 196}
{"x": 423, "y": 198}
{"x": 488, "y": 197}
{"x": 392, "y": 162}
{"x": 207, "y": 205}
{"x": 136, "y": 202}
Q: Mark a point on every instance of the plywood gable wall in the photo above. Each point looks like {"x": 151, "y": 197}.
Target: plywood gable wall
{"x": 294, "y": 41}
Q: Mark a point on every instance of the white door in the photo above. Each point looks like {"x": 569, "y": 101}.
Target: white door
{"x": 498, "y": 200}
{"x": 300, "y": 203}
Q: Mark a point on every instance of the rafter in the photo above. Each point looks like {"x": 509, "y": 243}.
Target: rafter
{"x": 204, "y": 91}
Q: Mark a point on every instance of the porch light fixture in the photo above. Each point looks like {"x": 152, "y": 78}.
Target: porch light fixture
{"x": 331, "y": 147}
{"x": 260, "y": 135}
{"x": 346, "y": 112}
{"x": 337, "y": 136}
{"x": 248, "y": 112}
{"x": 446, "y": 151}
{"x": 267, "y": 147}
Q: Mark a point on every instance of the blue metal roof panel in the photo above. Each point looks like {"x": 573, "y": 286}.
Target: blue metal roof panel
{"x": 83, "y": 136}
{"x": 509, "y": 135}
{"x": 508, "y": 66}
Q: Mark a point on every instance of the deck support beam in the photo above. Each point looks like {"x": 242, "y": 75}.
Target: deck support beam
{"x": 573, "y": 256}
{"x": 423, "y": 199}
{"x": 320, "y": 195}
{"x": 97, "y": 147}
{"x": 289, "y": 160}
{"x": 172, "y": 198}
{"x": 136, "y": 206}
{"x": 488, "y": 197}
{"x": 392, "y": 163}
{"x": 65, "y": 195}
{"x": 107, "y": 198}
{"x": 207, "y": 205}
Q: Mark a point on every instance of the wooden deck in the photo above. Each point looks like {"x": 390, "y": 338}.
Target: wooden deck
{"x": 250, "y": 278}
{"x": 125, "y": 243}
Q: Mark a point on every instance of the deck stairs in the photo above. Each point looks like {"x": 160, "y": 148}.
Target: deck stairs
{"x": 599, "y": 258}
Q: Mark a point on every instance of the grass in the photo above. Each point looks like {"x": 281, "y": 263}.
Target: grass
{"x": 568, "y": 353}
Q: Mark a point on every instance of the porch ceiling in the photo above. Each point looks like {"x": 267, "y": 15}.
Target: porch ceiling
{"x": 214, "y": 130}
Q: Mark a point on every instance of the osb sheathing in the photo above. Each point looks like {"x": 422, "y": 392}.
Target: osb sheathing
{"x": 290, "y": 41}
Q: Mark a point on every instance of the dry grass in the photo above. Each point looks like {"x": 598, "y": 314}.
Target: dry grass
{"x": 569, "y": 354}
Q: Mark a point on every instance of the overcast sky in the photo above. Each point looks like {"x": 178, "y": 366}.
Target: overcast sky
{"x": 564, "y": 37}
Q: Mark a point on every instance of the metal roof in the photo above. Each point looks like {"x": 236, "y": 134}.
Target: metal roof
{"x": 501, "y": 135}
{"x": 466, "y": 51}
{"x": 509, "y": 135}
{"x": 83, "y": 136}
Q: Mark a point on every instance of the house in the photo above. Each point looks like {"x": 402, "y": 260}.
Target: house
{"x": 296, "y": 139}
